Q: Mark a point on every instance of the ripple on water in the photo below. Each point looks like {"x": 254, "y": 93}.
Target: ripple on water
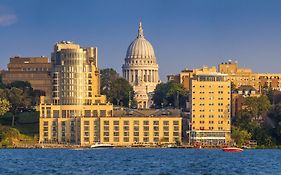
{"x": 138, "y": 161}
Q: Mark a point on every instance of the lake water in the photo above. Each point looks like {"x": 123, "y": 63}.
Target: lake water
{"x": 138, "y": 161}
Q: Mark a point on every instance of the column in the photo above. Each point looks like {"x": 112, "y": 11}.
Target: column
{"x": 133, "y": 75}
{"x": 153, "y": 78}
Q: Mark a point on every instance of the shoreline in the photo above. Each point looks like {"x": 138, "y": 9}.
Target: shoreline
{"x": 63, "y": 146}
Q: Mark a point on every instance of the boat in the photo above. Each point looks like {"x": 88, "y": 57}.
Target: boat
{"x": 102, "y": 145}
{"x": 232, "y": 149}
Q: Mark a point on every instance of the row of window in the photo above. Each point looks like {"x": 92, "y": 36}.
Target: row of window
{"x": 210, "y": 92}
{"x": 210, "y": 110}
{"x": 209, "y": 128}
{"x": 210, "y": 116}
{"x": 35, "y": 69}
{"x": 136, "y": 128}
{"x": 210, "y": 86}
{"x": 136, "y": 122}
{"x": 137, "y": 139}
{"x": 211, "y": 122}
{"x": 210, "y": 98}
{"x": 73, "y": 113}
{"x": 210, "y": 104}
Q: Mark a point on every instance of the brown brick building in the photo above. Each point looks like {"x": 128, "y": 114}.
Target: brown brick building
{"x": 35, "y": 70}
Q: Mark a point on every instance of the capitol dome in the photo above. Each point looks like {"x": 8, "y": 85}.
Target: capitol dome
{"x": 140, "y": 47}
{"x": 141, "y": 69}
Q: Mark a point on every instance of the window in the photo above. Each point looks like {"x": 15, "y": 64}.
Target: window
{"x": 126, "y": 128}
{"x": 56, "y": 113}
{"x": 146, "y": 139}
{"x": 106, "y": 133}
{"x": 126, "y": 139}
{"x": 176, "y": 128}
{"x": 146, "y": 133}
{"x": 166, "y": 128}
{"x": 126, "y": 133}
{"x": 155, "y": 139}
{"x": 48, "y": 112}
{"x": 106, "y": 139}
{"x": 116, "y": 128}
{"x": 146, "y": 128}
{"x": 136, "y": 139}
{"x": 95, "y": 113}
{"x": 102, "y": 112}
{"x": 145, "y": 122}
{"x": 87, "y": 113}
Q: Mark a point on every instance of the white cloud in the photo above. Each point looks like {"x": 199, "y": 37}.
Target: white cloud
{"x": 7, "y": 17}
{"x": 6, "y": 20}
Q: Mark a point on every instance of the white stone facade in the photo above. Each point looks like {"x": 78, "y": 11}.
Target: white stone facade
{"x": 141, "y": 69}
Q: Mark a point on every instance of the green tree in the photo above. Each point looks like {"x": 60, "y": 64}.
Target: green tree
{"x": 117, "y": 89}
{"x": 240, "y": 136}
{"x": 257, "y": 106}
{"x": 270, "y": 95}
{"x": 170, "y": 94}
{"x": 2, "y": 85}
{"x": 275, "y": 116}
{"x": 4, "y": 106}
{"x": 262, "y": 135}
{"x": 18, "y": 100}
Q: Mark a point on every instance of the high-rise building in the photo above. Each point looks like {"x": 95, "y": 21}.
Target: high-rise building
{"x": 72, "y": 114}
{"x": 35, "y": 70}
{"x": 210, "y": 109}
{"x": 141, "y": 70}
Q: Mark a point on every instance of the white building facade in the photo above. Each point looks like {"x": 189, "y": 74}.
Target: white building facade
{"x": 141, "y": 70}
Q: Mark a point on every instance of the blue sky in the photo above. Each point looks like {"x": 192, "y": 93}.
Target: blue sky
{"x": 184, "y": 33}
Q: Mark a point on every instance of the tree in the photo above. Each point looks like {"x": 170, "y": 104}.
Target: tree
{"x": 2, "y": 85}
{"x": 18, "y": 100}
{"x": 240, "y": 136}
{"x": 117, "y": 89}
{"x": 270, "y": 95}
{"x": 170, "y": 94}
{"x": 4, "y": 106}
{"x": 257, "y": 106}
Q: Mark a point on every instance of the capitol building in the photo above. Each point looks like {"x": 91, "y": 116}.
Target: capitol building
{"x": 141, "y": 70}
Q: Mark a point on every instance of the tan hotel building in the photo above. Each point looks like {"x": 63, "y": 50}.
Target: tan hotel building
{"x": 210, "y": 109}
{"x": 78, "y": 114}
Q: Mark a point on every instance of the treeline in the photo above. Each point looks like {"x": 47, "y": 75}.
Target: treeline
{"x": 260, "y": 121}
{"x": 17, "y": 97}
